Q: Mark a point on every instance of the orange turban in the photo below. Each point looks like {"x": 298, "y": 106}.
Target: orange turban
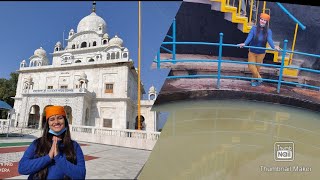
{"x": 265, "y": 16}
{"x": 54, "y": 110}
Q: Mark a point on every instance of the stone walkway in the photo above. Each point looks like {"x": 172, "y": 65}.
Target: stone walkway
{"x": 102, "y": 161}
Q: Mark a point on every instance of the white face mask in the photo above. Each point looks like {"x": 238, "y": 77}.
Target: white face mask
{"x": 262, "y": 25}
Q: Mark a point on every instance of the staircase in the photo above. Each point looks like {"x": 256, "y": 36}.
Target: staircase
{"x": 230, "y": 14}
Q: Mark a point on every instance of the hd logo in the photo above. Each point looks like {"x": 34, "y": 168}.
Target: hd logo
{"x": 284, "y": 151}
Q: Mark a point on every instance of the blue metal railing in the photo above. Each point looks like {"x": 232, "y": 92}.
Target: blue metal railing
{"x": 220, "y": 61}
{"x": 303, "y": 27}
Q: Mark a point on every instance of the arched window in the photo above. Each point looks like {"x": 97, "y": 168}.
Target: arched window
{"x": 125, "y": 55}
{"x": 105, "y": 41}
{"x": 91, "y": 60}
{"x": 83, "y": 44}
{"x": 108, "y": 56}
{"x": 73, "y": 46}
{"x": 118, "y": 55}
{"x": 56, "y": 49}
{"x": 94, "y": 43}
{"x": 77, "y": 61}
{"x": 113, "y": 55}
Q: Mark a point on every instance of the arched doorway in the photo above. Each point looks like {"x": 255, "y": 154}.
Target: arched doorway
{"x": 86, "y": 119}
{"x": 34, "y": 117}
{"x": 68, "y": 110}
{"x": 44, "y": 116}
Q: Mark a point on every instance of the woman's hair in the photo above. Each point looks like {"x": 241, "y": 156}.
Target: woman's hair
{"x": 265, "y": 33}
{"x": 44, "y": 144}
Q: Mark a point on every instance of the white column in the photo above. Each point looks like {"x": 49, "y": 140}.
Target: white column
{"x": 40, "y": 119}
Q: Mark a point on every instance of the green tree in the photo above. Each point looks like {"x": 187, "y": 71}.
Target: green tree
{"x": 7, "y": 90}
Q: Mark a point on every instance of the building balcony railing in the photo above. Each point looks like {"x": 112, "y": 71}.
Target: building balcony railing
{"x": 124, "y": 133}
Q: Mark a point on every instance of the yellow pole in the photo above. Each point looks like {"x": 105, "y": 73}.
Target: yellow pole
{"x": 250, "y": 16}
{"x": 228, "y": 2}
{"x": 258, "y": 2}
{"x": 239, "y": 8}
{"x": 264, "y": 6}
{"x": 294, "y": 42}
{"x": 139, "y": 59}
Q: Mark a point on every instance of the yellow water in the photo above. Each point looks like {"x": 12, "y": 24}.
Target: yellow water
{"x": 235, "y": 140}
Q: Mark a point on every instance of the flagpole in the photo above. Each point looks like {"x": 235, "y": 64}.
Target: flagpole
{"x": 139, "y": 59}
{"x": 63, "y": 40}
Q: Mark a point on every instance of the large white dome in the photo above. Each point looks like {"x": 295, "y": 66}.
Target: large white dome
{"x": 91, "y": 23}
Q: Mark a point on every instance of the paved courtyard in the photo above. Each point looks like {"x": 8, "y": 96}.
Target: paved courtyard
{"x": 102, "y": 161}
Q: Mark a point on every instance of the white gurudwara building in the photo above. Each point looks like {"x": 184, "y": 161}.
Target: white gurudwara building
{"x": 92, "y": 77}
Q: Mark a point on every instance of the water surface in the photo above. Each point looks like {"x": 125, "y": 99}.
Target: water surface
{"x": 230, "y": 140}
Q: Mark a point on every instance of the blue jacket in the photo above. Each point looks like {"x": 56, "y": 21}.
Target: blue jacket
{"x": 58, "y": 167}
{"x": 260, "y": 42}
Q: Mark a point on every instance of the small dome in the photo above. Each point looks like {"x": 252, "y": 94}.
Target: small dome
{"x": 116, "y": 41}
{"x": 83, "y": 75}
{"x": 71, "y": 30}
{"x": 23, "y": 61}
{"x": 40, "y": 52}
{"x": 58, "y": 43}
{"x": 91, "y": 22}
{"x": 152, "y": 89}
{"x": 105, "y": 36}
{"x": 125, "y": 49}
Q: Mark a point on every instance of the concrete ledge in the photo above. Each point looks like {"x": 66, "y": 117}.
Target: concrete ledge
{"x": 204, "y": 89}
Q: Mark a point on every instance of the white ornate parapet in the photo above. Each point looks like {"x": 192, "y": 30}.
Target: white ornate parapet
{"x": 56, "y": 91}
{"x": 118, "y": 137}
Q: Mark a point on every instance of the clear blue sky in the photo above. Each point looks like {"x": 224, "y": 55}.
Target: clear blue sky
{"x": 25, "y": 26}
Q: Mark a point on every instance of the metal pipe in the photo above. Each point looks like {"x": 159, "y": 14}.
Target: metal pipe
{"x": 303, "y": 27}
{"x": 169, "y": 36}
{"x": 174, "y": 39}
{"x": 219, "y": 60}
{"x": 166, "y": 49}
{"x": 250, "y": 16}
{"x": 158, "y": 59}
{"x": 294, "y": 42}
{"x": 285, "y": 42}
{"x": 264, "y": 6}
{"x": 239, "y": 8}
{"x": 257, "y": 12}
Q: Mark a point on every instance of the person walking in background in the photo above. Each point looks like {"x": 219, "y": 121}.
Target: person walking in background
{"x": 244, "y": 10}
{"x": 258, "y": 36}
{"x": 54, "y": 155}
